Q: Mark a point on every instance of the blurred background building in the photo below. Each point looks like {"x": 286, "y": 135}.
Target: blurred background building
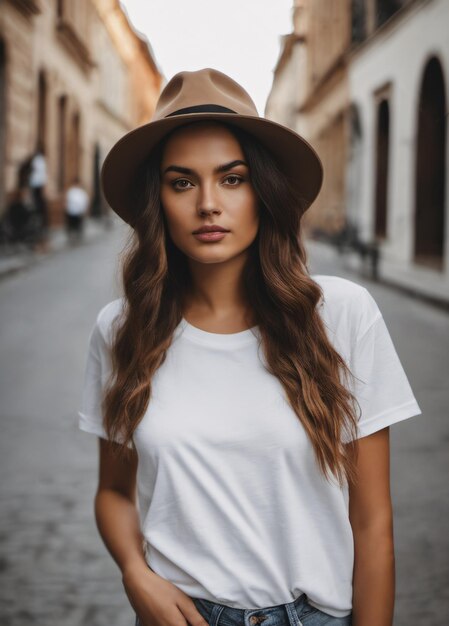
{"x": 74, "y": 77}
{"x": 366, "y": 81}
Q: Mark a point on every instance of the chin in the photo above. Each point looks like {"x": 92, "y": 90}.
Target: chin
{"x": 211, "y": 258}
{"x": 210, "y": 255}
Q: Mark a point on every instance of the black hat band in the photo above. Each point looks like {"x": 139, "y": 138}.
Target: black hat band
{"x": 202, "y": 108}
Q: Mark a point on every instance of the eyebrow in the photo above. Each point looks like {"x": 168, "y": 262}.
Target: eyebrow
{"x": 221, "y": 168}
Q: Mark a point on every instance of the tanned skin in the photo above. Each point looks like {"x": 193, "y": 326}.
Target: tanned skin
{"x": 371, "y": 517}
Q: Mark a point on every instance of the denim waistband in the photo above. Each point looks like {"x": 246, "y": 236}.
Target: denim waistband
{"x": 276, "y": 615}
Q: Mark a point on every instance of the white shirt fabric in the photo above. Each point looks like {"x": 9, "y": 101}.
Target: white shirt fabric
{"x": 76, "y": 200}
{"x": 38, "y": 174}
{"x": 232, "y": 504}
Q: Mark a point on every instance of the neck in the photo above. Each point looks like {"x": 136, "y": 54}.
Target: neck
{"x": 217, "y": 289}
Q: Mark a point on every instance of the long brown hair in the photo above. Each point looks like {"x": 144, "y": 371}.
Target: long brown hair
{"x": 282, "y": 294}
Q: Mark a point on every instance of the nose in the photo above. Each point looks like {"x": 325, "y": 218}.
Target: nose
{"x": 207, "y": 201}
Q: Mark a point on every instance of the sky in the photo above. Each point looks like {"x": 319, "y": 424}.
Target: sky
{"x": 238, "y": 37}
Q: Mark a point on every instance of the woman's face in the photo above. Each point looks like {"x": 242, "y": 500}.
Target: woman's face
{"x": 195, "y": 192}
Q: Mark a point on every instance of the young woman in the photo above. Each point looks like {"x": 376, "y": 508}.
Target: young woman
{"x": 242, "y": 405}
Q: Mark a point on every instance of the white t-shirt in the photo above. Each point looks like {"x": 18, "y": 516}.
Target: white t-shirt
{"x": 76, "y": 200}
{"x": 232, "y": 504}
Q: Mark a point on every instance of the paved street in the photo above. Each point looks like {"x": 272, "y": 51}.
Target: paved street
{"x": 54, "y": 567}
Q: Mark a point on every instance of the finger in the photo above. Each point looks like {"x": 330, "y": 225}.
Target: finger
{"x": 192, "y": 615}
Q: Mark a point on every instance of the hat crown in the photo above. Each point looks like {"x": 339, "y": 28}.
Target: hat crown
{"x": 210, "y": 95}
{"x": 202, "y": 87}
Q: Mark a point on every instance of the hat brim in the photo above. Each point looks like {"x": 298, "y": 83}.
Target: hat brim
{"x": 294, "y": 155}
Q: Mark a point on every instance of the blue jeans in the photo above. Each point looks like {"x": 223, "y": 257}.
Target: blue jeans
{"x": 296, "y": 613}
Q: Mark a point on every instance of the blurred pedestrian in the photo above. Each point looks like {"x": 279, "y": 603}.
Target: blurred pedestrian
{"x": 245, "y": 401}
{"x": 17, "y": 216}
{"x": 23, "y": 173}
{"x": 76, "y": 205}
{"x": 20, "y": 224}
{"x": 37, "y": 181}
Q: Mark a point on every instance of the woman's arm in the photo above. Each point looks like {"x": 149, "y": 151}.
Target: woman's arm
{"x": 156, "y": 601}
{"x": 371, "y": 517}
{"x": 115, "y": 508}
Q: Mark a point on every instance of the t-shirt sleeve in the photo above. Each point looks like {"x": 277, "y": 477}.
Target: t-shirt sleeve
{"x": 96, "y": 375}
{"x": 381, "y": 386}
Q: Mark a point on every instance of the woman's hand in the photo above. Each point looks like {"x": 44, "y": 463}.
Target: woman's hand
{"x": 158, "y": 602}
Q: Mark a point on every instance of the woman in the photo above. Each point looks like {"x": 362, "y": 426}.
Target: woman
{"x": 248, "y": 401}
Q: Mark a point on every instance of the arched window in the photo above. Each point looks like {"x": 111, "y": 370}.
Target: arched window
{"x": 42, "y": 109}
{"x": 430, "y": 175}
{"x": 96, "y": 197}
{"x": 75, "y": 152}
{"x": 382, "y": 158}
{"x": 62, "y": 129}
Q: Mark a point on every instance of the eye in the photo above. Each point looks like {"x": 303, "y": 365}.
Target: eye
{"x": 174, "y": 183}
{"x": 239, "y": 179}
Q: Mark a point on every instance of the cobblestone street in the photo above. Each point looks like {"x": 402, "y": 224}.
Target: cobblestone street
{"x": 54, "y": 567}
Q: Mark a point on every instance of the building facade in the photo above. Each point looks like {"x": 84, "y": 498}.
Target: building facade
{"x": 385, "y": 152}
{"x": 310, "y": 95}
{"x": 399, "y": 100}
{"x": 74, "y": 77}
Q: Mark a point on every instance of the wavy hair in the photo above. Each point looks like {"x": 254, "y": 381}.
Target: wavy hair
{"x": 281, "y": 293}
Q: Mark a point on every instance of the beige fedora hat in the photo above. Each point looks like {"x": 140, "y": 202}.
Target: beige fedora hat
{"x": 207, "y": 94}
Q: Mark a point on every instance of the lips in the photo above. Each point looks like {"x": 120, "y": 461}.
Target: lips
{"x": 211, "y": 228}
{"x": 212, "y": 235}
